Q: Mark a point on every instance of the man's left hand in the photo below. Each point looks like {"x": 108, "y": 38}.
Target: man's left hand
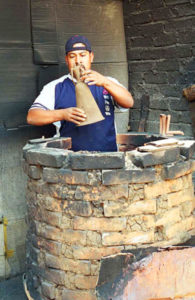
{"x": 92, "y": 77}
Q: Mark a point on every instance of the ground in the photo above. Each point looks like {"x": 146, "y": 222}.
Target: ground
{"x": 12, "y": 289}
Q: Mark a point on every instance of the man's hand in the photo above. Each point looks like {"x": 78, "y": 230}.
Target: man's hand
{"x": 73, "y": 114}
{"x": 120, "y": 94}
{"x": 92, "y": 77}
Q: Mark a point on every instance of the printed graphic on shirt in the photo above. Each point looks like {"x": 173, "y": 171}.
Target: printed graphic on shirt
{"x": 105, "y": 92}
{"x": 108, "y": 102}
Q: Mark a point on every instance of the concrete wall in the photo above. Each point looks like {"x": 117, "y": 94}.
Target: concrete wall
{"x": 160, "y": 38}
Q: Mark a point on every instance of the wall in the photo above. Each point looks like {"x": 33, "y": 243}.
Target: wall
{"x": 160, "y": 40}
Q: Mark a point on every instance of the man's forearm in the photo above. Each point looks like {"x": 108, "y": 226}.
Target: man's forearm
{"x": 41, "y": 117}
{"x": 120, "y": 94}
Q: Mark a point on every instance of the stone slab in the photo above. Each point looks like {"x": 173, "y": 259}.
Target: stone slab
{"x": 127, "y": 176}
{"x": 150, "y": 159}
{"x": 107, "y": 160}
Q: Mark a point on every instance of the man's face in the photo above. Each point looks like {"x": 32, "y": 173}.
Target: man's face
{"x": 78, "y": 57}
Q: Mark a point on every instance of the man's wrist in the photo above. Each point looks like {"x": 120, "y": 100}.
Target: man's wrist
{"x": 106, "y": 82}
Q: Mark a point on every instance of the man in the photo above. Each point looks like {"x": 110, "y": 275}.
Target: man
{"x": 57, "y": 102}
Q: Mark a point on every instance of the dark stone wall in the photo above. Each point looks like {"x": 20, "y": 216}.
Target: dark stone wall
{"x": 160, "y": 37}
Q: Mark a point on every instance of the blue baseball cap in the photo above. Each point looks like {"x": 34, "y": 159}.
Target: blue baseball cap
{"x": 75, "y": 39}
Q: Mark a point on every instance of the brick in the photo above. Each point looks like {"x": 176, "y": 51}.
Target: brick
{"x": 139, "y": 42}
{"x": 174, "y": 199}
{"x": 140, "y": 18}
{"x": 162, "y": 188}
{"x": 178, "y": 116}
{"x": 59, "y": 191}
{"x": 67, "y": 251}
{"x": 187, "y": 208}
{"x": 28, "y": 147}
{"x": 50, "y": 246}
{"x": 176, "y": 170}
{"x": 65, "y": 176}
{"x": 34, "y": 172}
{"x": 37, "y": 270}
{"x": 130, "y": 238}
{"x": 157, "y": 105}
{"x": 162, "y": 14}
{"x": 92, "y": 253}
{"x": 147, "y": 222}
{"x": 74, "y": 236}
{"x": 113, "y": 209}
{"x": 127, "y": 176}
{"x": 49, "y": 203}
{"x": 51, "y": 233}
{"x": 141, "y": 67}
{"x": 136, "y": 193}
{"x": 187, "y": 149}
{"x": 86, "y": 282}
{"x": 48, "y": 157}
{"x": 55, "y": 276}
{"x": 150, "y": 159}
{"x": 70, "y": 280}
{"x": 48, "y": 289}
{"x": 187, "y": 180}
{"x": 157, "y": 78}
{"x": 185, "y": 225}
{"x": 101, "y": 193}
{"x": 66, "y": 264}
{"x": 94, "y": 238}
{"x": 78, "y": 295}
{"x": 177, "y": 104}
{"x": 66, "y": 223}
{"x": 37, "y": 186}
{"x": 77, "y": 208}
{"x": 187, "y": 128}
{"x": 99, "y": 224}
{"x": 174, "y": 2}
{"x": 59, "y": 143}
{"x": 153, "y": 29}
{"x": 108, "y": 160}
{"x": 169, "y": 217}
{"x": 51, "y": 218}
{"x": 168, "y": 65}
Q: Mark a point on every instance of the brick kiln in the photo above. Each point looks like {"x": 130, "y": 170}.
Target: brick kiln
{"x": 85, "y": 206}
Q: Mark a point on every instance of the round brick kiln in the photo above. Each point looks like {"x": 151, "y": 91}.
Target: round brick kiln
{"x": 84, "y": 206}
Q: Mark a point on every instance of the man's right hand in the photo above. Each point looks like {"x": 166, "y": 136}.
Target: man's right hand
{"x": 74, "y": 114}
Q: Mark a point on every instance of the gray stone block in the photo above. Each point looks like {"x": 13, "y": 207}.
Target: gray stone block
{"x": 78, "y": 208}
{"x": 107, "y": 160}
{"x": 65, "y": 176}
{"x": 48, "y": 157}
{"x": 34, "y": 172}
{"x": 188, "y": 149}
{"x": 176, "y": 170}
{"x": 110, "y": 177}
{"x": 147, "y": 159}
